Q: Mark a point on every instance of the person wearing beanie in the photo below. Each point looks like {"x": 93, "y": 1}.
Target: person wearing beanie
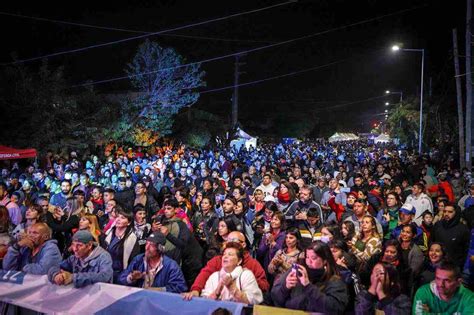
{"x": 90, "y": 263}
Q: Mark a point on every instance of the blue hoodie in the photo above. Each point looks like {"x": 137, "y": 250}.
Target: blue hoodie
{"x": 21, "y": 259}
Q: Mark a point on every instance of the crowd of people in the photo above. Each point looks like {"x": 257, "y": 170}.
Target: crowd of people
{"x": 341, "y": 228}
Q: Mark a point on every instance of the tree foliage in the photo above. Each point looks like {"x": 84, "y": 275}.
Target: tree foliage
{"x": 403, "y": 122}
{"x": 38, "y": 111}
{"x": 164, "y": 86}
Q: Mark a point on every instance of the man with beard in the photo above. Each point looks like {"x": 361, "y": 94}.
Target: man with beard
{"x": 153, "y": 269}
{"x": 59, "y": 199}
{"x": 320, "y": 189}
{"x": 297, "y": 211}
{"x": 453, "y": 234}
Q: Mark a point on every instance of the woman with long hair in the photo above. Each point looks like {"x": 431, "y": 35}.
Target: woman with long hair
{"x": 257, "y": 202}
{"x": 121, "y": 242}
{"x": 436, "y": 253}
{"x": 205, "y": 222}
{"x": 348, "y": 231}
{"x": 224, "y": 227}
{"x": 367, "y": 242}
{"x": 241, "y": 212}
{"x": 313, "y": 286}
{"x": 329, "y": 232}
{"x": 182, "y": 195}
{"x": 63, "y": 221}
{"x": 272, "y": 240}
{"x": 90, "y": 223}
{"x": 290, "y": 253}
{"x": 411, "y": 255}
{"x": 285, "y": 196}
{"x": 384, "y": 293}
{"x": 33, "y": 214}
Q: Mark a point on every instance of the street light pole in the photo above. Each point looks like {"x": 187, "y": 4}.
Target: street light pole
{"x": 401, "y": 94}
{"x": 420, "y": 134}
{"x": 421, "y": 102}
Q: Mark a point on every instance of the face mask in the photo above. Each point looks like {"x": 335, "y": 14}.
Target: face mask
{"x": 325, "y": 239}
{"x": 315, "y": 275}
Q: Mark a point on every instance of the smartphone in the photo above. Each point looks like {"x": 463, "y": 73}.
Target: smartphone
{"x": 295, "y": 268}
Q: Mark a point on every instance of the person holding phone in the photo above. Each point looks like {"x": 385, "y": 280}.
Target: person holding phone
{"x": 313, "y": 286}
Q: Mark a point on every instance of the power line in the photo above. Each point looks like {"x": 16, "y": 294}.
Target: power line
{"x": 150, "y": 34}
{"x": 253, "y": 49}
{"x": 126, "y": 30}
{"x": 275, "y": 77}
{"x": 351, "y": 103}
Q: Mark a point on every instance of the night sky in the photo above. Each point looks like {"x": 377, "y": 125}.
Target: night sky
{"x": 365, "y": 67}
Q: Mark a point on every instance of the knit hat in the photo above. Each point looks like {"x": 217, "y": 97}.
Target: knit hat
{"x": 83, "y": 236}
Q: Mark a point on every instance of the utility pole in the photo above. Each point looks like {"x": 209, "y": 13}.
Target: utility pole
{"x": 459, "y": 100}
{"x": 235, "y": 98}
{"x": 468, "y": 87}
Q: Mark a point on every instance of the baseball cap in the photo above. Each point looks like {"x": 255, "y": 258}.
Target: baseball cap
{"x": 83, "y": 236}
{"x": 157, "y": 238}
{"x": 386, "y": 176}
{"x": 408, "y": 209}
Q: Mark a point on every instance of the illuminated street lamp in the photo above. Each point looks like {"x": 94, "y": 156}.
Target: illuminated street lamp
{"x": 396, "y": 48}
{"x": 400, "y": 93}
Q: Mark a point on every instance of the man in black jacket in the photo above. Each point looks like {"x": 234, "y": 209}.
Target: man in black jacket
{"x": 453, "y": 234}
{"x": 180, "y": 244}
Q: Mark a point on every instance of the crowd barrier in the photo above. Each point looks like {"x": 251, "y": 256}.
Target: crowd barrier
{"x": 37, "y": 294}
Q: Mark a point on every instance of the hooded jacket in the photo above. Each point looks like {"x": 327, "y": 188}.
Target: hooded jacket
{"x": 97, "y": 267}
{"x": 455, "y": 237}
{"x": 21, "y": 259}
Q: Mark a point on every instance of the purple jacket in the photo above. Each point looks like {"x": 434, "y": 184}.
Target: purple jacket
{"x": 266, "y": 253}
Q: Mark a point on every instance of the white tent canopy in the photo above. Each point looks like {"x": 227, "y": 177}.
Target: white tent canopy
{"x": 339, "y": 136}
{"x": 383, "y": 138}
{"x": 243, "y": 139}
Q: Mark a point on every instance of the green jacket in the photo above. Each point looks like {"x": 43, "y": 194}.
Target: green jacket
{"x": 461, "y": 303}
